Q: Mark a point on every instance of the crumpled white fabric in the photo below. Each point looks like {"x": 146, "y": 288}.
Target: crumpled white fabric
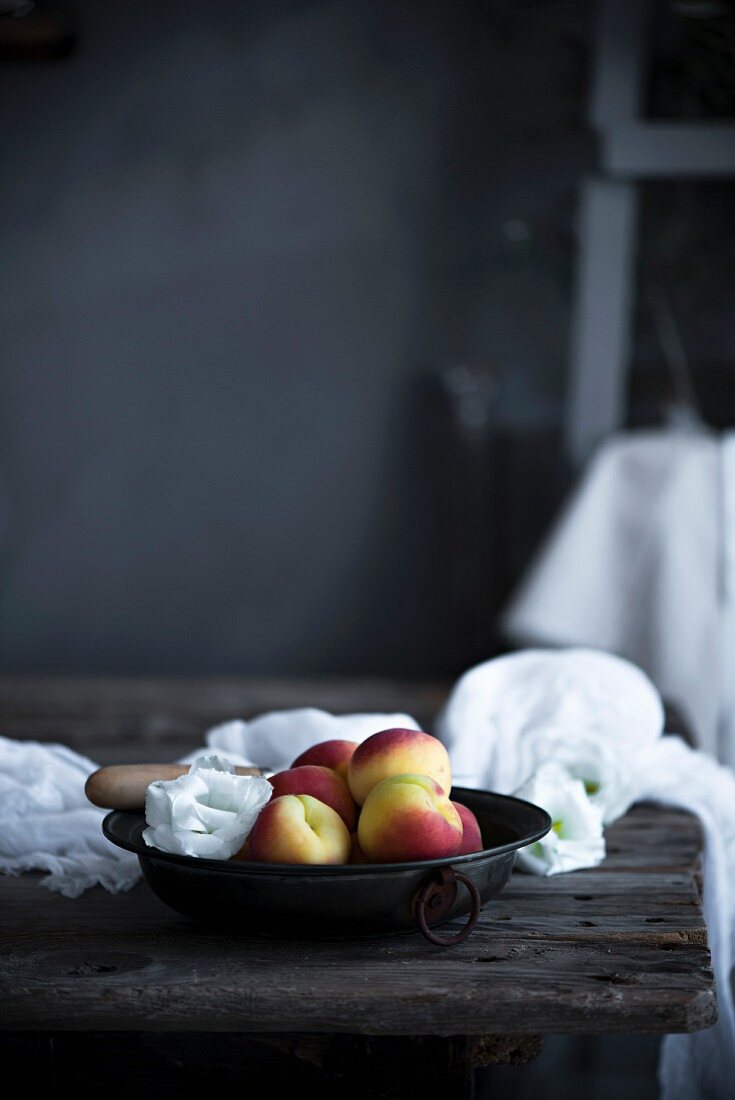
{"x": 702, "y": 1063}
{"x": 47, "y": 824}
{"x": 640, "y": 562}
{"x": 506, "y": 717}
{"x": 207, "y": 813}
{"x": 272, "y": 741}
{"x": 541, "y": 721}
{"x": 575, "y": 838}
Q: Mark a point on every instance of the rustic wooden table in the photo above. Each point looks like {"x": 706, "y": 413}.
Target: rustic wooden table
{"x": 122, "y": 994}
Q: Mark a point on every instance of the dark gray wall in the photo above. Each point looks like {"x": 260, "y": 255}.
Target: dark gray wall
{"x": 236, "y": 237}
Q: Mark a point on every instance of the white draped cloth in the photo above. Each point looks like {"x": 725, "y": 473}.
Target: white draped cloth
{"x": 47, "y": 824}
{"x": 642, "y": 563}
{"x": 507, "y": 717}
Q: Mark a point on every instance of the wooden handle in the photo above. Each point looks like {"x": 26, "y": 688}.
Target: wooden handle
{"x": 123, "y": 786}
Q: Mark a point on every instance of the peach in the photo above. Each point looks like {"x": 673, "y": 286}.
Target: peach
{"x": 471, "y": 835}
{"x": 321, "y": 783}
{"x": 329, "y": 754}
{"x": 408, "y": 817}
{"x": 397, "y": 752}
{"x": 296, "y": 828}
{"x": 244, "y": 854}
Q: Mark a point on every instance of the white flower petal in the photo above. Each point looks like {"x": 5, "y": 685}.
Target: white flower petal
{"x": 607, "y": 773}
{"x": 157, "y": 809}
{"x": 576, "y": 837}
{"x": 212, "y": 763}
{"x": 208, "y": 812}
{"x": 160, "y": 836}
{"x": 223, "y": 791}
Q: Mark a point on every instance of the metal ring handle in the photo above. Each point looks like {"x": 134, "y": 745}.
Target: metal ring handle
{"x": 449, "y": 875}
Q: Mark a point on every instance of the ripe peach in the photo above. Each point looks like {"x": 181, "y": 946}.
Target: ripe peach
{"x": 407, "y": 817}
{"x": 329, "y": 754}
{"x": 296, "y": 828}
{"x": 321, "y": 783}
{"x": 397, "y": 752}
{"x": 471, "y": 835}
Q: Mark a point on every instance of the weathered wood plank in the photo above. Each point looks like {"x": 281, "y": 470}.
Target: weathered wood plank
{"x": 584, "y": 905}
{"x": 171, "y": 715}
{"x": 587, "y": 952}
{"x": 164, "y": 982}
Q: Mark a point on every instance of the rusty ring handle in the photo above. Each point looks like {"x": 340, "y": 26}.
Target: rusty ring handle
{"x": 449, "y": 875}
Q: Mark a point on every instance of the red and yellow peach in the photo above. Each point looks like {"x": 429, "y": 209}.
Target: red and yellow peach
{"x": 408, "y": 817}
{"x": 471, "y": 835}
{"x": 328, "y": 754}
{"x": 299, "y": 829}
{"x": 321, "y": 783}
{"x": 397, "y": 752}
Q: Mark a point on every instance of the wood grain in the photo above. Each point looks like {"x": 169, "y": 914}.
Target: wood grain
{"x": 117, "y": 719}
{"x": 123, "y": 786}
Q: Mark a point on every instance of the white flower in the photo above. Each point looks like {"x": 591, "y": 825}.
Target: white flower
{"x": 575, "y": 839}
{"x": 605, "y": 770}
{"x": 208, "y": 812}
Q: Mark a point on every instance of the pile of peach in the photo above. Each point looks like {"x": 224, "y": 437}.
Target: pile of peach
{"x": 384, "y": 801}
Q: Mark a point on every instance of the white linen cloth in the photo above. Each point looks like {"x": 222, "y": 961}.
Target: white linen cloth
{"x": 509, "y": 717}
{"x": 273, "y": 741}
{"x": 530, "y": 706}
{"x": 47, "y": 824}
{"x": 642, "y": 563}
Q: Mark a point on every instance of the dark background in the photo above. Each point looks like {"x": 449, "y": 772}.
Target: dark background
{"x": 248, "y": 251}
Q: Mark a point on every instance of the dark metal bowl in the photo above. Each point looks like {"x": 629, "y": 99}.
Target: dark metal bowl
{"x": 294, "y": 901}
